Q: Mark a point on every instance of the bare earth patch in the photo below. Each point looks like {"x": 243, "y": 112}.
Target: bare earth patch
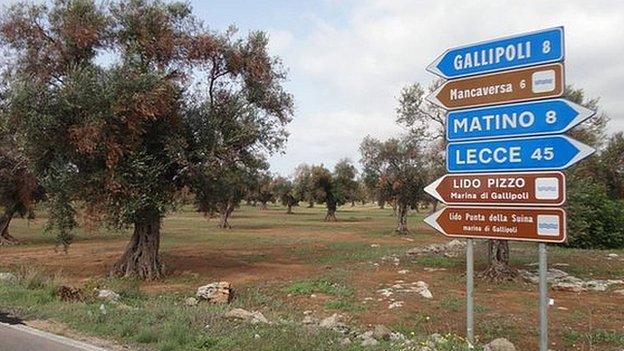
{"x": 270, "y": 248}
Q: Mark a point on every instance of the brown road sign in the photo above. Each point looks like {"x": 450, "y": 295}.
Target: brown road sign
{"x": 510, "y": 223}
{"x": 524, "y": 84}
{"x": 535, "y": 189}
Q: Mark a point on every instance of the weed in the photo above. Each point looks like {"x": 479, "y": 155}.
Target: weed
{"x": 437, "y": 262}
{"x": 453, "y": 304}
{"x": 318, "y": 286}
{"x": 347, "y": 305}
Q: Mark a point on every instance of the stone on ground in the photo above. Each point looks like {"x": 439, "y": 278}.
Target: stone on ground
{"x": 369, "y": 341}
{"x": 561, "y": 281}
{"x": 217, "y": 293}
{"x": 345, "y": 342}
{"x": 500, "y": 344}
{"x": 191, "y": 301}
{"x": 309, "y": 320}
{"x": 108, "y": 295}
{"x": 335, "y": 323}
{"x": 381, "y": 332}
{"x": 423, "y": 289}
{"x": 453, "y": 248}
{"x": 244, "y": 315}
{"x": 8, "y": 278}
{"x": 331, "y": 321}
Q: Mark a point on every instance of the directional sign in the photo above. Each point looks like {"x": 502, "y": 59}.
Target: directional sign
{"x": 523, "y": 84}
{"x": 535, "y": 189}
{"x": 509, "y": 223}
{"x": 522, "y": 50}
{"x": 527, "y": 118}
{"x": 519, "y": 154}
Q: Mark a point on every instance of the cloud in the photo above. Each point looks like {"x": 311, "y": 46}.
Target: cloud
{"x": 346, "y": 74}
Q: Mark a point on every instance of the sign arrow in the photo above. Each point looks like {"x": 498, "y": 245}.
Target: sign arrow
{"x": 528, "y": 49}
{"x": 528, "y": 118}
{"x": 507, "y": 223}
{"x": 519, "y": 154}
{"x": 525, "y": 84}
{"x": 511, "y": 189}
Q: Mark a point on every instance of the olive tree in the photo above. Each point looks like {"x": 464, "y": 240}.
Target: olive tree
{"x": 263, "y": 190}
{"x": 302, "y": 180}
{"x": 220, "y": 191}
{"x": 177, "y": 102}
{"x": 345, "y": 176}
{"x": 401, "y": 172}
{"x": 286, "y": 192}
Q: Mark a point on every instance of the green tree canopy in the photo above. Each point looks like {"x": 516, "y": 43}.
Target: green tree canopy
{"x": 286, "y": 192}
{"x": 401, "y": 169}
{"x": 177, "y": 102}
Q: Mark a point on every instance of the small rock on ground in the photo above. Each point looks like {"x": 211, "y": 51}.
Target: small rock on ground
{"x": 381, "y": 332}
{"x": 500, "y": 344}
{"x": 423, "y": 289}
{"x": 191, "y": 301}
{"x": 369, "y": 342}
{"x": 334, "y": 322}
{"x": 108, "y": 295}
{"x": 244, "y": 315}
{"x": 8, "y": 278}
{"x": 217, "y": 293}
{"x": 451, "y": 249}
{"x": 309, "y": 320}
{"x": 331, "y": 321}
{"x": 345, "y": 342}
{"x": 396, "y": 304}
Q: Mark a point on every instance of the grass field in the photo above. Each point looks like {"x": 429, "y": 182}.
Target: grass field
{"x": 283, "y": 265}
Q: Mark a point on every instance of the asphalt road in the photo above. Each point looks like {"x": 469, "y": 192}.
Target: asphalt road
{"x": 15, "y": 336}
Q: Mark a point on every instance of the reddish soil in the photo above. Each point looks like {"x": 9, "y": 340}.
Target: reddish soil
{"x": 510, "y": 310}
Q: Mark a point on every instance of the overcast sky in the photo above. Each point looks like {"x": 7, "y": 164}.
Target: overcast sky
{"x": 348, "y": 60}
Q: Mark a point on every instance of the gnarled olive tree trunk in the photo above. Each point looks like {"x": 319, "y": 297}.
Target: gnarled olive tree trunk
{"x": 264, "y": 206}
{"x": 289, "y": 208}
{"x": 402, "y": 219}
{"x": 331, "y": 211}
{"x": 225, "y": 211}
{"x": 5, "y": 220}
{"x": 498, "y": 268}
{"x": 142, "y": 257}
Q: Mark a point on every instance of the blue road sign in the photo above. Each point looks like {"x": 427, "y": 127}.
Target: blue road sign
{"x": 529, "y": 118}
{"x": 518, "y": 154}
{"x": 501, "y": 54}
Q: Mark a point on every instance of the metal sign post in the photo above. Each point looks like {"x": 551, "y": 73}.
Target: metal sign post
{"x": 469, "y": 292}
{"x": 543, "y": 292}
